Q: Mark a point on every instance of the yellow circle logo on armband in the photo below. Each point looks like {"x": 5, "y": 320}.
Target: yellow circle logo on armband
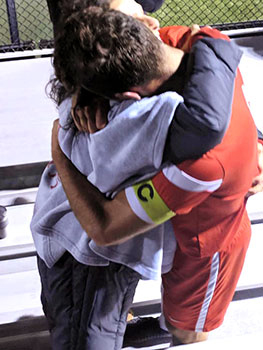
{"x": 152, "y": 203}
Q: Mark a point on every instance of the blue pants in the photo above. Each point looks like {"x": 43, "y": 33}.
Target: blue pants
{"x": 86, "y": 306}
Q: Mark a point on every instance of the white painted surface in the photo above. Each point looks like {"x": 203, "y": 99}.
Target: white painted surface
{"x": 26, "y": 113}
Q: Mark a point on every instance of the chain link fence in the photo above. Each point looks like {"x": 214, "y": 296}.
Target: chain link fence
{"x": 25, "y": 24}
{"x": 211, "y": 12}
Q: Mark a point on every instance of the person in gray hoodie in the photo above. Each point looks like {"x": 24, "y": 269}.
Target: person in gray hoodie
{"x": 60, "y": 240}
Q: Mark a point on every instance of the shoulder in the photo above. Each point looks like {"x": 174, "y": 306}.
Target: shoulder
{"x": 221, "y": 50}
{"x": 204, "y": 174}
{"x": 206, "y": 168}
{"x": 138, "y": 110}
{"x": 173, "y": 35}
{"x": 175, "y": 189}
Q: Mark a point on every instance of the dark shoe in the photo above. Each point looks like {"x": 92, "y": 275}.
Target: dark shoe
{"x": 145, "y": 331}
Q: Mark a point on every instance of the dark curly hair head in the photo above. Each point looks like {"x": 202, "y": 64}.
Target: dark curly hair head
{"x": 105, "y": 51}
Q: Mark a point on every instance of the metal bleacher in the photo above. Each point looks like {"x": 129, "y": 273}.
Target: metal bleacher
{"x": 21, "y": 316}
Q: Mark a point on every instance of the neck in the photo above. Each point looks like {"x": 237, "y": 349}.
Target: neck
{"x": 171, "y": 60}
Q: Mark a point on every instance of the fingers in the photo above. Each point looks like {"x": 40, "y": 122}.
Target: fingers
{"x": 194, "y": 29}
{"x": 75, "y": 117}
{"x": 90, "y": 116}
{"x": 80, "y": 117}
{"x": 78, "y": 113}
{"x": 257, "y": 185}
{"x": 84, "y": 118}
{"x": 98, "y": 116}
{"x": 101, "y": 118}
{"x": 90, "y": 119}
{"x": 260, "y": 157}
{"x": 74, "y": 100}
{"x": 255, "y": 189}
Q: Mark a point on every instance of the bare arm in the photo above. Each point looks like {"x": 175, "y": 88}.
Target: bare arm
{"x": 139, "y": 207}
{"x": 106, "y": 221}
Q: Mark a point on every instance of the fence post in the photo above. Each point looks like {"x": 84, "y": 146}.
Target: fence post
{"x": 12, "y": 20}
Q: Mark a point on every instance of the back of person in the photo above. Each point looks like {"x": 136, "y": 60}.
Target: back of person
{"x": 216, "y": 220}
{"x": 211, "y": 218}
{"x": 211, "y": 225}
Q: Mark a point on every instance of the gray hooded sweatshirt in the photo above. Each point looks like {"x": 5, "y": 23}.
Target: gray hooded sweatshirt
{"x": 127, "y": 151}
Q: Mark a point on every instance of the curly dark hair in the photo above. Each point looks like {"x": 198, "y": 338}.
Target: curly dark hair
{"x": 104, "y": 51}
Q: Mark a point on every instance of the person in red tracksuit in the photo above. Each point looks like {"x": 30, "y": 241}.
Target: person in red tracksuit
{"x": 204, "y": 197}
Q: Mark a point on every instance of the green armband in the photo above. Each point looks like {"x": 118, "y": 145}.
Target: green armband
{"x": 152, "y": 203}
